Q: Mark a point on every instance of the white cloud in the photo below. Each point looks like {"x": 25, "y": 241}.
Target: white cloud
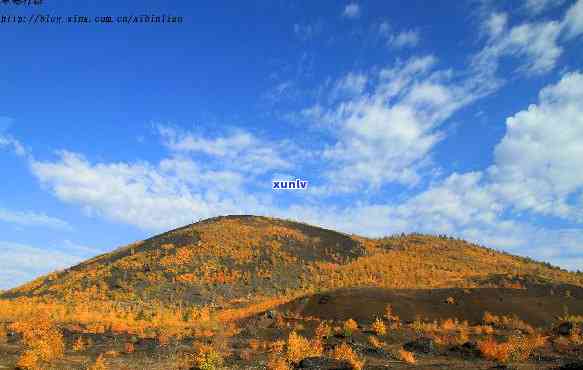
{"x": 241, "y": 150}
{"x": 386, "y": 135}
{"x": 496, "y": 24}
{"x": 351, "y": 10}
{"x": 174, "y": 193}
{"x": 13, "y": 145}
{"x": 538, "y": 162}
{"x": 407, "y": 38}
{"x": 534, "y": 45}
{"x": 538, "y": 6}
{"x": 349, "y": 85}
{"x": 28, "y": 218}
{"x": 20, "y": 263}
{"x": 573, "y": 22}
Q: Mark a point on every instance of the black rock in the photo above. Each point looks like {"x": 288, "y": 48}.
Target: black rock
{"x": 421, "y": 345}
{"x": 323, "y": 363}
{"x": 578, "y": 365}
{"x": 324, "y": 299}
{"x": 565, "y": 328}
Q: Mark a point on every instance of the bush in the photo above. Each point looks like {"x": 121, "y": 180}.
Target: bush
{"x": 207, "y": 358}
{"x": 323, "y": 330}
{"x": 407, "y": 356}
{"x": 378, "y": 326}
{"x": 299, "y": 348}
{"x": 349, "y": 327}
{"x": 343, "y": 352}
{"x": 43, "y": 342}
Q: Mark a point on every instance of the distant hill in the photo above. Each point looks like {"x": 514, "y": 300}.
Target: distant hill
{"x": 226, "y": 261}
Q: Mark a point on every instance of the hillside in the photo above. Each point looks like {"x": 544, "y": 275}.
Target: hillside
{"x": 229, "y": 258}
{"x": 226, "y": 259}
{"x": 213, "y": 282}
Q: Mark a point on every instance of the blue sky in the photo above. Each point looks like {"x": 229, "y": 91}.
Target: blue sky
{"x": 464, "y": 118}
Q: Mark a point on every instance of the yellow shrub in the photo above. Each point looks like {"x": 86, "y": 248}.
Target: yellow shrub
{"x": 42, "y": 341}
{"x": 323, "y": 330}
{"x": 407, "y": 356}
{"x": 299, "y": 348}
{"x": 207, "y": 358}
{"x": 343, "y": 352}
{"x": 276, "y": 362}
{"x": 349, "y": 327}
{"x": 277, "y": 347}
{"x": 378, "y": 326}
{"x": 375, "y": 342}
{"x": 28, "y": 361}
{"x": 79, "y": 344}
{"x": 493, "y": 350}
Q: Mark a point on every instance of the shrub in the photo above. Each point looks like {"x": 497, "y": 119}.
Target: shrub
{"x": 390, "y": 315}
{"x": 207, "y": 358}
{"x": 323, "y": 330}
{"x": 299, "y": 348}
{"x": 276, "y": 362}
{"x": 43, "y": 342}
{"x": 349, "y": 327}
{"x": 129, "y": 347}
{"x": 494, "y": 351}
{"x": 407, "y": 356}
{"x": 375, "y": 342}
{"x": 277, "y": 347}
{"x": 378, "y": 326}
{"x": 343, "y": 352}
{"x": 79, "y": 344}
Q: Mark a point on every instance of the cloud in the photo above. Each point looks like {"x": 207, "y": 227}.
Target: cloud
{"x": 535, "y": 45}
{"x": 537, "y": 163}
{"x": 351, "y": 84}
{"x": 151, "y": 197}
{"x": 351, "y": 10}
{"x": 28, "y": 218}
{"x": 538, "y": 6}
{"x": 496, "y": 24}
{"x": 242, "y": 150}
{"x": 20, "y": 263}
{"x": 408, "y": 38}
{"x": 573, "y": 22}
{"x": 13, "y": 145}
{"x": 307, "y": 31}
{"x": 386, "y": 135}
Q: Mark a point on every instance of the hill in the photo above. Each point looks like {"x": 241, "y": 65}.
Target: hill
{"x": 227, "y": 259}
{"x": 200, "y": 278}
